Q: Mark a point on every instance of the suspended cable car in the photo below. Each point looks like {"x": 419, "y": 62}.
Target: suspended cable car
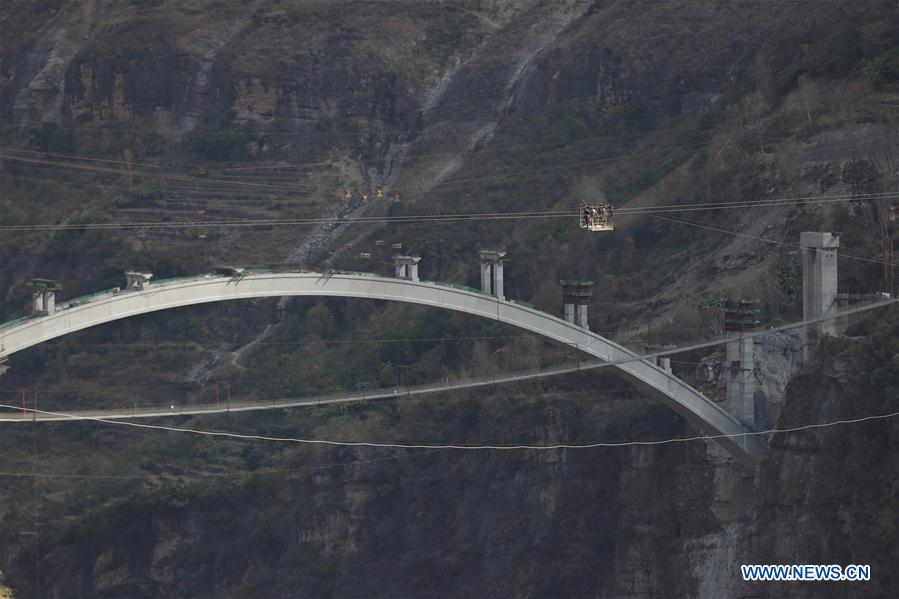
{"x": 379, "y": 195}
{"x": 365, "y": 198}
{"x": 596, "y": 218}
{"x": 347, "y": 195}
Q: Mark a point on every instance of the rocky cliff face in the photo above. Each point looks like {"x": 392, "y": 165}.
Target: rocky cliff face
{"x": 357, "y": 523}
{"x": 778, "y": 358}
{"x": 615, "y": 55}
{"x": 828, "y": 495}
{"x": 138, "y": 70}
{"x": 673, "y": 520}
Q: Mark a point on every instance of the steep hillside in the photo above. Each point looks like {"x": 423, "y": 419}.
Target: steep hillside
{"x": 353, "y": 523}
{"x": 829, "y": 495}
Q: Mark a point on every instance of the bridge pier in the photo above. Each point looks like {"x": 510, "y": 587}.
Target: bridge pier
{"x": 819, "y": 282}
{"x": 740, "y": 316}
{"x": 137, "y": 281}
{"x": 663, "y": 362}
{"x": 37, "y": 301}
{"x": 492, "y": 272}
{"x": 739, "y": 382}
{"x": 43, "y": 296}
{"x": 575, "y": 298}
{"x": 406, "y": 267}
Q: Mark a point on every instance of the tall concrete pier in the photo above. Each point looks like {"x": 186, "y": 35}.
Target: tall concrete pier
{"x": 137, "y": 281}
{"x": 819, "y": 284}
{"x": 492, "y": 272}
{"x": 575, "y": 299}
{"x": 43, "y": 296}
{"x": 406, "y": 267}
{"x": 740, "y": 316}
{"x": 819, "y": 278}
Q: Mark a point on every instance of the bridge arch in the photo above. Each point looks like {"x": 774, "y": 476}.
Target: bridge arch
{"x": 105, "y": 307}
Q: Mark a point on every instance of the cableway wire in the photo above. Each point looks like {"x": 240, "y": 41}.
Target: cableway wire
{"x": 456, "y": 182}
{"x": 197, "y": 188}
{"x": 259, "y": 187}
{"x": 208, "y": 184}
{"x": 556, "y": 446}
{"x": 592, "y": 366}
{"x": 272, "y": 471}
{"x": 351, "y": 341}
{"x": 179, "y": 178}
{"x": 525, "y": 147}
{"x": 257, "y": 165}
{"x": 449, "y": 217}
{"x": 765, "y": 240}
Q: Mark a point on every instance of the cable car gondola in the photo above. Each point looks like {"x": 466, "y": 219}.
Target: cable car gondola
{"x": 596, "y": 218}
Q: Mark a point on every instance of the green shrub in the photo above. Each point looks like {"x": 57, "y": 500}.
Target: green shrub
{"x": 789, "y": 279}
{"x": 150, "y": 191}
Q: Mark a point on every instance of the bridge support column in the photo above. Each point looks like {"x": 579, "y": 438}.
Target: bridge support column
{"x": 492, "y": 272}
{"x": 37, "y": 301}
{"x": 575, "y": 298}
{"x": 137, "y": 281}
{"x": 406, "y": 267}
{"x": 663, "y": 362}
{"x": 43, "y": 296}
{"x": 581, "y": 319}
{"x": 819, "y": 282}
{"x": 739, "y": 382}
{"x": 740, "y": 316}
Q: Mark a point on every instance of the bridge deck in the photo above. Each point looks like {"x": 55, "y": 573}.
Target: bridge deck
{"x": 166, "y": 294}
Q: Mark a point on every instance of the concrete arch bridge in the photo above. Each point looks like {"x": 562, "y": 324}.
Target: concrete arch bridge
{"x": 51, "y": 320}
